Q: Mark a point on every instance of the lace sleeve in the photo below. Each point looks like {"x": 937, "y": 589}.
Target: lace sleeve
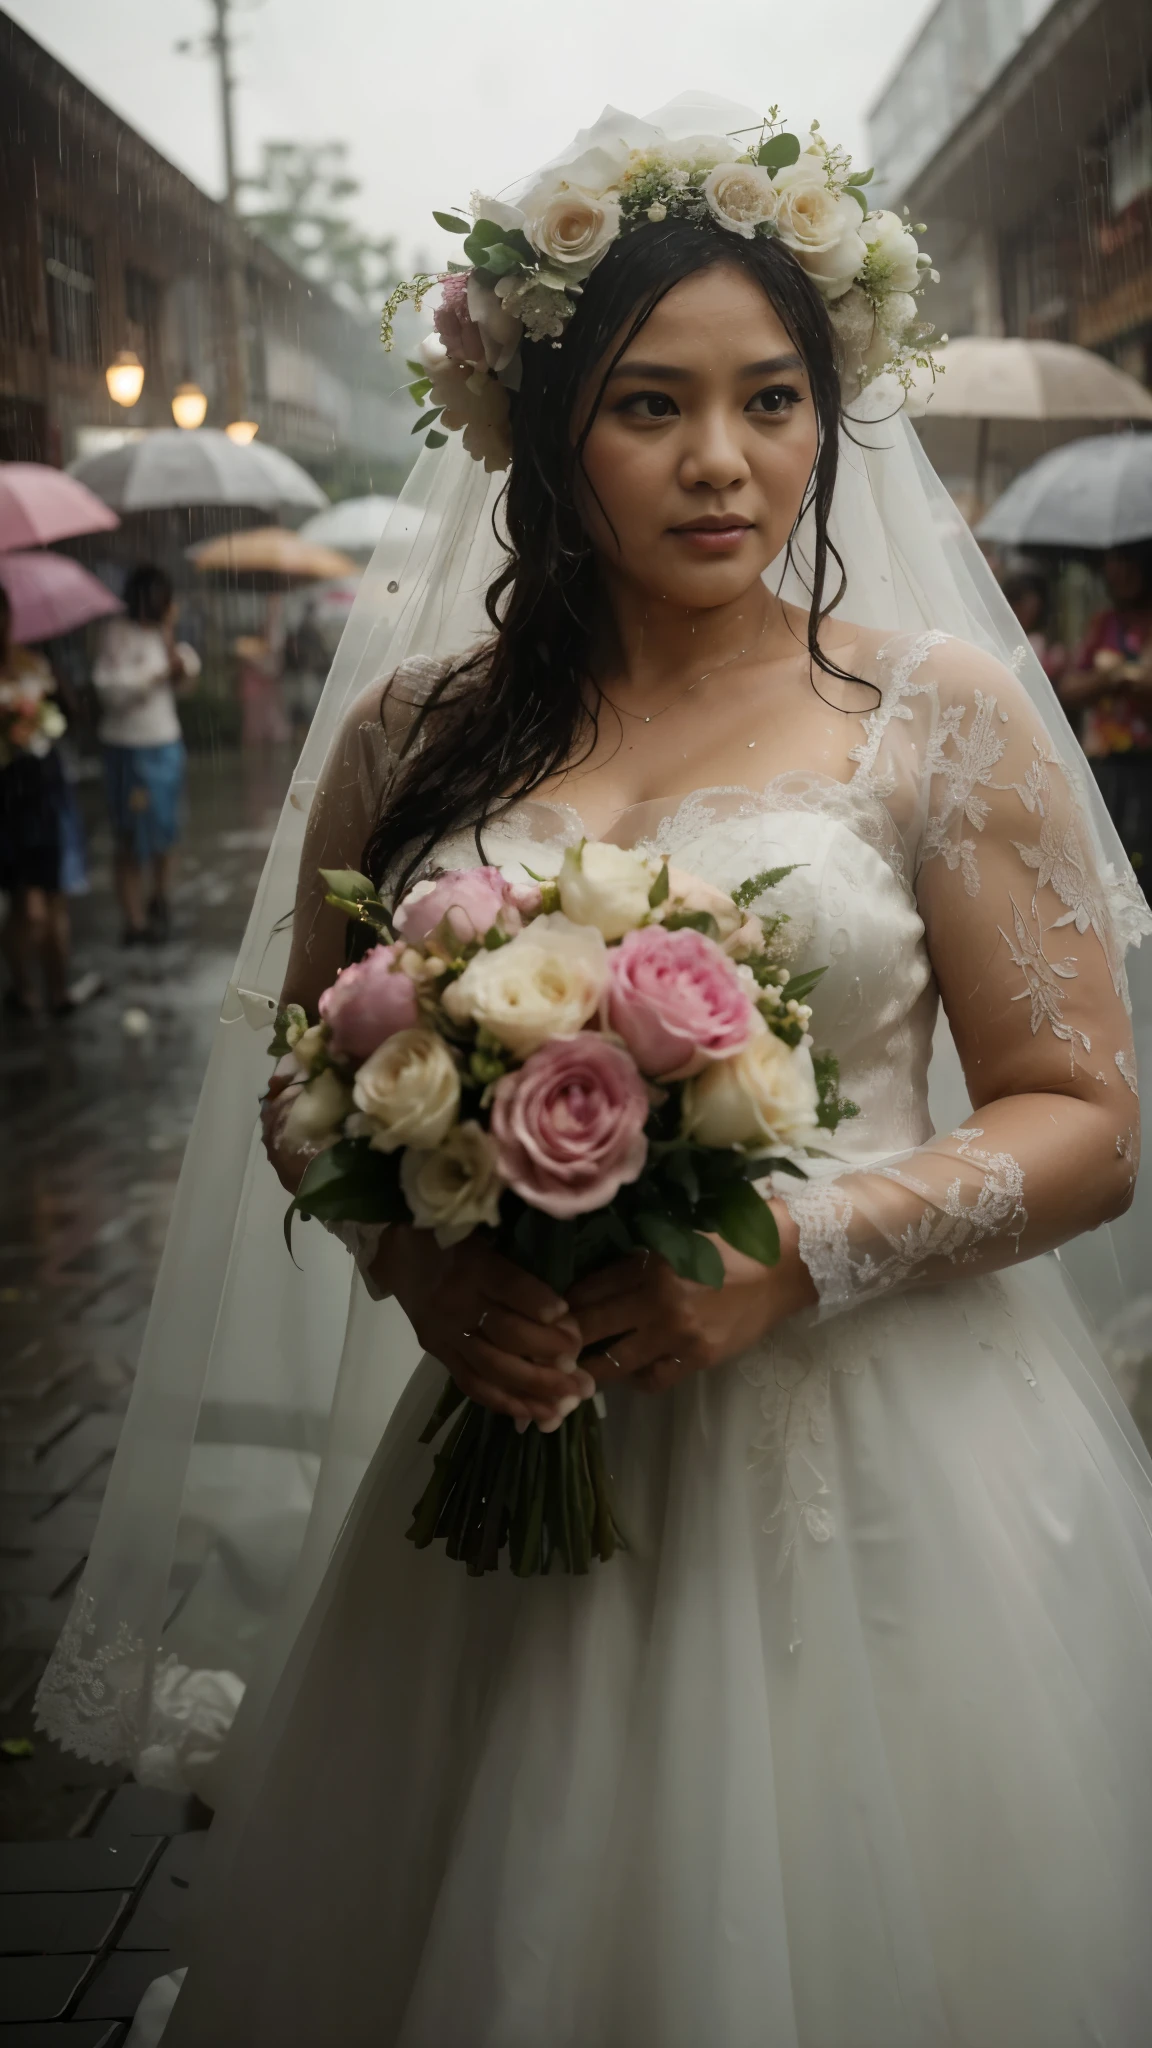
{"x": 352, "y": 786}
{"x": 1022, "y": 941}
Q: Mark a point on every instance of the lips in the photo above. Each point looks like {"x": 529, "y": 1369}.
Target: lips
{"x": 715, "y": 522}
{"x": 714, "y": 533}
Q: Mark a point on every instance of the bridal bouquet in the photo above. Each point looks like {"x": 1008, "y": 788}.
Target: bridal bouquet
{"x": 577, "y": 1067}
{"x": 30, "y": 722}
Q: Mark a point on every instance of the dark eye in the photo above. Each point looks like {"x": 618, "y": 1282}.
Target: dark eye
{"x": 774, "y": 400}
{"x": 650, "y": 405}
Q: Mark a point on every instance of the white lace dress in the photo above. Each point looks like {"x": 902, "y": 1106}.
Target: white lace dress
{"x": 851, "y": 1748}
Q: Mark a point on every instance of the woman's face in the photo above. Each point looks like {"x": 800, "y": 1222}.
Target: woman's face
{"x": 703, "y": 445}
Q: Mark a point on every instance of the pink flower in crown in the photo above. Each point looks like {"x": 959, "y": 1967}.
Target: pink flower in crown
{"x": 677, "y": 1001}
{"x": 471, "y": 900}
{"x": 368, "y": 1003}
{"x": 453, "y": 322}
{"x": 569, "y": 1124}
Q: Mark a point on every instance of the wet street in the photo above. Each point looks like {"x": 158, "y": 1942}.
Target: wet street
{"x": 96, "y": 1110}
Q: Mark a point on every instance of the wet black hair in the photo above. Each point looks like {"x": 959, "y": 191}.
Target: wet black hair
{"x": 513, "y": 713}
{"x": 147, "y": 594}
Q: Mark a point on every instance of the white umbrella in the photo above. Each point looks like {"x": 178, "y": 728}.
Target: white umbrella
{"x": 173, "y": 468}
{"x": 355, "y": 525}
{"x": 1002, "y": 401}
{"x": 1095, "y": 493}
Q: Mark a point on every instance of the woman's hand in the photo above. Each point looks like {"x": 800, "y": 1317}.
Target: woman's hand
{"x": 288, "y": 1160}
{"x": 508, "y": 1341}
{"x": 661, "y": 1328}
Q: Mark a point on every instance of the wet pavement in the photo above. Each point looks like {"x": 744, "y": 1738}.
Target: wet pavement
{"x": 95, "y": 1111}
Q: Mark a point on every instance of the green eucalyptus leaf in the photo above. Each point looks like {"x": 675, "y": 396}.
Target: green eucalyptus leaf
{"x": 436, "y": 440}
{"x": 854, "y": 192}
{"x": 802, "y": 985}
{"x": 450, "y": 223}
{"x": 501, "y": 257}
{"x": 658, "y": 893}
{"x": 861, "y": 177}
{"x": 348, "y": 883}
{"x": 744, "y": 1220}
{"x": 778, "y": 151}
{"x": 691, "y": 1256}
{"x": 692, "y": 920}
{"x": 427, "y": 418}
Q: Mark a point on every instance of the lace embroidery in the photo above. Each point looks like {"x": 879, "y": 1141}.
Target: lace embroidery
{"x": 1126, "y": 1067}
{"x": 1042, "y": 978}
{"x": 951, "y": 1225}
{"x": 89, "y": 1701}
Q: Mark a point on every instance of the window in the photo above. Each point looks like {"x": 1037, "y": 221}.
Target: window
{"x": 72, "y": 326}
{"x": 142, "y": 313}
{"x": 1130, "y": 159}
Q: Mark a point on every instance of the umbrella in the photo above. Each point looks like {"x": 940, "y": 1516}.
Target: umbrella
{"x": 52, "y": 594}
{"x": 1095, "y": 493}
{"x": 269, "y": 558}
{"x": 1027, "y": 396}
{"x": 39, "y": 504}
{"x": 355, "y": 525}
{"x": 173, "y": 467}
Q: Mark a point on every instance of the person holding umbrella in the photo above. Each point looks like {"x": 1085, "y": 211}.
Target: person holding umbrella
{"x": 33, "y": 804}
{"x": 139, "y": 669}
{"x": 1110, "y": 687}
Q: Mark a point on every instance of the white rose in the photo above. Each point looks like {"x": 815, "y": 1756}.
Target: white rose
{"x": 767, "y": 1093}
{"x": 409, "y": 1090}
{"x": 308, "y": 1045}
{"x": 606, "y": 886}
{"x": 572, "y": 227}
{"x": 822, "y": 228}
{"x": 496, "y": 210}
{"x": 599, "y": 165}
{"x": 892, "y": 254}
{"x": 688, "y": 892}
{"x": 314, "y": 1118}
{"x": 897, "y": 314}
{"x": 452, "y": 1189}
{"x": 545, "y": 983}
{"x": 500, "y": 331}
{"x": 740, "y": 196}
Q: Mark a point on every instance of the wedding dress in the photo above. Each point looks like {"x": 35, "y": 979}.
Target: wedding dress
{"x": 849, "y": 1749}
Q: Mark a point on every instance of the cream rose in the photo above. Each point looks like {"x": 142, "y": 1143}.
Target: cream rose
{"x": 606, "y": 886}
{"x": 409, "y": 1091}
{"x": 765, "y": 1094}
{"x": 741, "y": 196}
{"x": 690, "y": 892}
{"x": 546, "y": 982}
{"x": 500, "y": 330}
{"x": 454, "y": 1187}
{"x": 473, "y": 402}
{"x": 893, "y": 254}
{"x": 572, "y": 227}
{"x": 313, "y": 1119}
{"x": 822, "y": 228}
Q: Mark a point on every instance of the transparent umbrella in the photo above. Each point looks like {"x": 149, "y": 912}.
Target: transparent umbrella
{"x": 355, "y": 525}
{"x": 174, "y": 468}
{"x": 1095, "y": 493}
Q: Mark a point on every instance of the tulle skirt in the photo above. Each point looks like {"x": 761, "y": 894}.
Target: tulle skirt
{"x": 850, "y": 1750}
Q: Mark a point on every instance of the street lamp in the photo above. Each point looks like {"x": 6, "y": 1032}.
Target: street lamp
{"x": 189, "y": 405}
{"x": 125, "y": 377}
{"x": 242, "y": 431}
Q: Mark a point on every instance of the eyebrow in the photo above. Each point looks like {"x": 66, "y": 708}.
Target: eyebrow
{"x": 668, "y": 373}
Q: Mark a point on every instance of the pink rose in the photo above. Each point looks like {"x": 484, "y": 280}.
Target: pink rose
{"x": 453, "y": 322}
{"x": 368, "y": 1003}
{"x": 569, "y": 1124}
{"x": 470, "y": 898}
{"x": 677, "y": 1001}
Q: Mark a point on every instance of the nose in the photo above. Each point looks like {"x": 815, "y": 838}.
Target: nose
{"x": 714, "y": 457}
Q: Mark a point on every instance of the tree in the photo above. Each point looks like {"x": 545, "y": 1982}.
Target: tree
{"x": 302, "y": 189}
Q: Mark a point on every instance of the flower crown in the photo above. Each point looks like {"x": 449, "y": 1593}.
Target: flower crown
{"x": 527, "y": 261}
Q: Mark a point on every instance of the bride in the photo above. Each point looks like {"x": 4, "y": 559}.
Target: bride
{"x": 848, "y": 1749}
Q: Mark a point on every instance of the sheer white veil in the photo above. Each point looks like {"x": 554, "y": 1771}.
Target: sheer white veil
{"x": 263, "y": 1387}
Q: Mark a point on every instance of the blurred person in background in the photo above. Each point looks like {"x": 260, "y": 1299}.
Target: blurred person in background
{"x": 305, "y": 668}
{"x": 1110, "y": 686}
{"x": 1029, "y": 596}
{"x": 35, "y": 824}
{"x": 140, "y": 669}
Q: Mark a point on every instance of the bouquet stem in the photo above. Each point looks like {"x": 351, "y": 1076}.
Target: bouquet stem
{"x": 546, "y": 1499}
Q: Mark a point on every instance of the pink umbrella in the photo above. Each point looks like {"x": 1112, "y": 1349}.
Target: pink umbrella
{"x": 39, "y": 504}
{"x": 51, "y": 594}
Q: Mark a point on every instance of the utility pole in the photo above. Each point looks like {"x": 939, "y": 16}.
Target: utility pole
{"x": 221, "y": 47}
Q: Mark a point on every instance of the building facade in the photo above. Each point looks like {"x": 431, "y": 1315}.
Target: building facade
{"x": 105, "y": 246}
{"x": 1022, "y": 132}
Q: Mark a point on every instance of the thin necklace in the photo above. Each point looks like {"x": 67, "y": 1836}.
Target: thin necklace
{"x": 650, "y": 717}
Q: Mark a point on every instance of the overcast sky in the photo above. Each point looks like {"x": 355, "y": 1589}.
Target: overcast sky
{"x": 436, "y": 99}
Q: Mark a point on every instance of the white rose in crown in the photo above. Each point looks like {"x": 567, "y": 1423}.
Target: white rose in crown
{"x": 314, "y": 1116}
{"x": 500, "y": 331}
{"x": 606, "y": 886}
{"x": 474, "y": 403}
{"x": 454, "y": 1187}
{"x": 741, "y": 196}
{"x": 893, "y": 254}
{"x": 765, "y": 1094}
{"x": 822, "y": 228}
{"x": 545, "y": 983}
{"x": 408, "y": 1091}
{"x": 570, "y": 226}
